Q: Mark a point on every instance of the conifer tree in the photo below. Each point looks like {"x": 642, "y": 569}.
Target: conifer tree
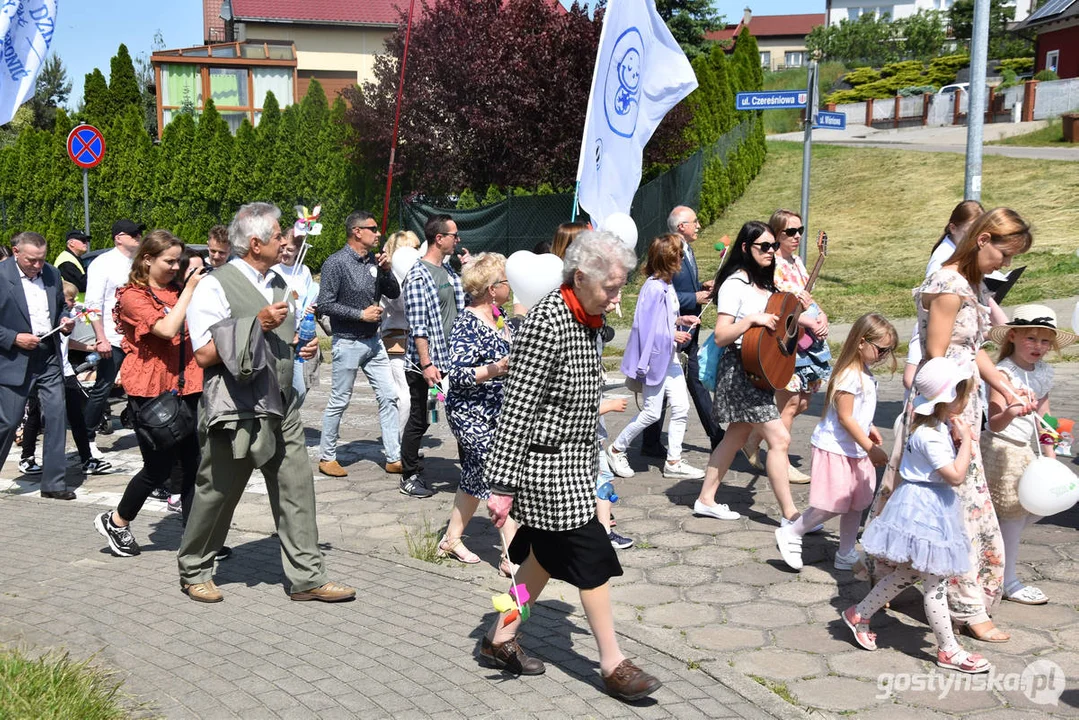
{"x": 96, "y": 99}
{"x": 267, "y": 129}
{"x": 123, "y": 85}
{"x": 243, "y": 184}
{"x": 125, "y": 173}
{"x": 212, "y": 153}
{"x": 288, "y": 157}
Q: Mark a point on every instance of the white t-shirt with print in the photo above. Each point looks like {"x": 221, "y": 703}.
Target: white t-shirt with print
{"x": 738, "y": 297}
{"x": 829, "y": 434}
{"x": 929, "y": 448}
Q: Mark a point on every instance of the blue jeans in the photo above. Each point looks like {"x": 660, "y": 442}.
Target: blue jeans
{"x": 349, "y": 356}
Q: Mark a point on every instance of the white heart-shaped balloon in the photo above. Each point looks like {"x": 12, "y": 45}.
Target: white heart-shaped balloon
{"x": 623, "y": 226}
{"x": 532, "y": 276}
{"x": 1048, "y": 487}
{"x": 402, "y": 261}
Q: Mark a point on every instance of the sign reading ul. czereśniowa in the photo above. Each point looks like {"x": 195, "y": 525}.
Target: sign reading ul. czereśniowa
{"x": 773, "y": 100}
{"x": 26, "y": 27}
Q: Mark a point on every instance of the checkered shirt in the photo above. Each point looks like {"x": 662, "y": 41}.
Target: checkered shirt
{"x": 551, "y": 401}
{"x": 424, "y": 316}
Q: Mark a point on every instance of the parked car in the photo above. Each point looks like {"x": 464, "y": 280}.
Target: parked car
{"x": 962, "y": 88}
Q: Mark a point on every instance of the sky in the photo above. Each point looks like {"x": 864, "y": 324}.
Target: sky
{"x": 88, "y": 33}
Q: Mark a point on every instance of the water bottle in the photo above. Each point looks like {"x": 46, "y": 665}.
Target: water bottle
{"x": 306, "y": 332}
{"x": 91, "y": 361}
{"x": 432, "y": 403}
{"x": 606, "y": 492}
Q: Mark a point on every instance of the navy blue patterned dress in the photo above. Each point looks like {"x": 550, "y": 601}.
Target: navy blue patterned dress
{"x": 472, "y": 410}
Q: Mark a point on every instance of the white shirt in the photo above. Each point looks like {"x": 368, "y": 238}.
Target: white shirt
{"x": 107, "y": 272}
{"x": 298, "y": 278}
{"x": 829, "y": 434}
{"x": 1040, "y": 382}
{"x": 928, "y": 449}
{"x": 37, "y": 302}
{"x": 64, "y": 340}
{"x": 209, "y": 305}
{"x": 738, "y": 297}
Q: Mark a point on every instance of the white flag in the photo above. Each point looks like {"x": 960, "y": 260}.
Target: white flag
{"x": 640, "y": 74}
{"x": 26, "y": 27}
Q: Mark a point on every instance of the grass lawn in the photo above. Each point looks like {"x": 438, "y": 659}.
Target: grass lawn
{"x": 782, "y": 121}
{"x": 1050, "y": 136}
{"x": 883, "y": 210}
{"x": 54, "y": 686}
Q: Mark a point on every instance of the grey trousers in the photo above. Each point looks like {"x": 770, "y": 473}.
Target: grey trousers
{"x": 291, "y": 487}
{"x": 47, "y": 376}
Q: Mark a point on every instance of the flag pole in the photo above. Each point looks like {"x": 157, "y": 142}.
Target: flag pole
{"x": 397, "y": 118}
{"x": 588, "y": 113}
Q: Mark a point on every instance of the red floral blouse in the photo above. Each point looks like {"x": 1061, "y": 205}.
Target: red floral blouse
{"x": 151, "y": 364}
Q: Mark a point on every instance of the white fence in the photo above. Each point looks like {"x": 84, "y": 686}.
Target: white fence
{"x": 1056, "y": 98}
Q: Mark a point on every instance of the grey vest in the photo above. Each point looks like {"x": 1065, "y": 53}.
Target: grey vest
{"x": 245, "y": 301}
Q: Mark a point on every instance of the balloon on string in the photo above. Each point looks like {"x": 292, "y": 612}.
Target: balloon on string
{"x": 1048, "y": 487}
{"x": 423, "y": 248}
{"x": 532, "y": 276}
{"x": 402, "y": 261}
{"x": 623, "y": 226}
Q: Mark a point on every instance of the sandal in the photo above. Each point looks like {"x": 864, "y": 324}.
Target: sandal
{"x": 1025, "y": 594}
{"x": 860, "y": 627}
{"x": 457, "y": 551}
{"x": 505, "y": 566}
{"x": 963, "y": 661}
{"x": 991, "y": 635}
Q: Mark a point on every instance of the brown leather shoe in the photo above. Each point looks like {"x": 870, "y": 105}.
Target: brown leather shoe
{"x": 206, "y": 592}
{"x": 330, "y": 592}
{"x": 394, "y": 468}
{"x": 510, "y": 657}
{"x": 628, "y": 682}
{"x": 331, "y": 468}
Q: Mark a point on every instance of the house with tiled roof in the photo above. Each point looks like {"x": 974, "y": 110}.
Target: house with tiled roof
{"x": 780, "y": 38}
{"x": 1055, "y": 25}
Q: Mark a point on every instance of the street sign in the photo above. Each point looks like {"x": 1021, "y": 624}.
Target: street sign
{"x": 830, "y": 121}
{"x": 773, "y": 100}
{"x": 86, "y": 146}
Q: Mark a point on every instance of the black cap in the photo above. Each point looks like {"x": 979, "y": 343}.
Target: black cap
{"x": 128, "y": 227}
{"x": 77, "y": 235}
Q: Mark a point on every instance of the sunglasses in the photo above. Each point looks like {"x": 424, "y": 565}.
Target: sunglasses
{"x": 372, "y": 228}
{"x": 791, "y": 232}
{"x": 766, "y": 246}
{"x": 881, "y": 351}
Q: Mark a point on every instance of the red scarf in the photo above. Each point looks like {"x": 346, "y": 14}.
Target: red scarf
{"x": 590, "y": 321}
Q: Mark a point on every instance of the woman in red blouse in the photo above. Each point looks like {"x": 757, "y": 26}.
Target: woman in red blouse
{"x": 150, "y": 313}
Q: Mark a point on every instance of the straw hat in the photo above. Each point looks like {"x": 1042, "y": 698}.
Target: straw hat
{"x": 1040, "y": 316}
{"x": 936, "y": 381}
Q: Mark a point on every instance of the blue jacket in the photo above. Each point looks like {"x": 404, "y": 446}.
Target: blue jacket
{"x": 687, "y": 285}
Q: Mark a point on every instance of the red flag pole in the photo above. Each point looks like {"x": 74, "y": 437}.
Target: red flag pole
{"x": 397, "y": 118}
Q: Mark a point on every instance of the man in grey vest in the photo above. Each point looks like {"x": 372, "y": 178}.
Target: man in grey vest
{"x": 243, "y": 333}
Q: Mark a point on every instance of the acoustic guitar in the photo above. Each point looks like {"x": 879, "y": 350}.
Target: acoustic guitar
{"x": 769, "y": 355}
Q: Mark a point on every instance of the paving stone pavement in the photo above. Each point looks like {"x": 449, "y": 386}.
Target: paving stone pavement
{"x": 706, "y": 594}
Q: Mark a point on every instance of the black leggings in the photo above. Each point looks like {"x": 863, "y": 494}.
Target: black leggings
{"x": 75, "y": 400}
{"x": 157, "y": 466}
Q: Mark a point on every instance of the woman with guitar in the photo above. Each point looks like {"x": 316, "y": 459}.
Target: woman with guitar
{"x": 743, "y": 285}
{"x": 811, "y": 367}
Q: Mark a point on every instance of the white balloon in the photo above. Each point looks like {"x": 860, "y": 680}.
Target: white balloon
{"x": 423, "y": 248}
{"x": 623, "y": 226}
{"x": 1048, "y": 487}
{"x": 402, "y": 261}
{"x": 532, "y": 276}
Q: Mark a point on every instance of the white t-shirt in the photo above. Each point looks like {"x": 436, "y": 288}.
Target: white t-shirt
{"x": 209, "y": 305}
{"x": 738, "y": 297}
{"x": 1040, "y": 382}
{"x": 936, "y": 262}
{"x": 928, "y": 449}
{"x": 829, "y": 434}
{"x": 107, "y": 272}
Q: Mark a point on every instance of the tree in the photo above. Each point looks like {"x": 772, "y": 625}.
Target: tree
{"x": 123, "y": 86}
{"x": 869, "y": 40}
{"x": 923, "y": 35}
{"x": 689, "y": 20}
{"x": 96, "y": 99}
{"x": 50, "y": 92}
{"x": 144, "y": 76}
{"x": 1001, "y": 43}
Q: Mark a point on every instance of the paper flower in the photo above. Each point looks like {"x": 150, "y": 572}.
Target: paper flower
{"x": 85, "y": 314}
{"x": 307, "y": 221}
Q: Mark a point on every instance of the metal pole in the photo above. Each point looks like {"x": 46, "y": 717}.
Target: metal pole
{"x": 807, "y": 148}
{"x": 979, "y": 50}
{"x": 397, "y": 119}
{"x": 86, "y": 200}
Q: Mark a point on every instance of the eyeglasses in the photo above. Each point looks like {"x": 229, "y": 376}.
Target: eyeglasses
{"x": 499, "y": 282}
{"x": 791, "y": 232}
{"x": 690, "y": 222}
{"x": 452, "y": 235}
{"x": 766, "y": 246}
{"x": 881, "y": 352}
{"x": 372, "y": 228}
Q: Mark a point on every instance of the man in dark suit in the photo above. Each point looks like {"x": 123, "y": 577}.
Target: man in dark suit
{"x": 31, "y": 305}
{"x": 692, "y": 294}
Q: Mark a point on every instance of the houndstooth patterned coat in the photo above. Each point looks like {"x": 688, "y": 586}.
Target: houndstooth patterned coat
{"x": 545, "y": 448}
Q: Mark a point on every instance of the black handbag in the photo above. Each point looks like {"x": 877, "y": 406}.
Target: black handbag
{"x": 167, "y": 419}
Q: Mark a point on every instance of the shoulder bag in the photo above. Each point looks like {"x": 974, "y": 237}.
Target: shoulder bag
{"x": 166, "y": 420}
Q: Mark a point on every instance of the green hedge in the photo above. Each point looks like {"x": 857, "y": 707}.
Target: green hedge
{"x": 892, "y": 78}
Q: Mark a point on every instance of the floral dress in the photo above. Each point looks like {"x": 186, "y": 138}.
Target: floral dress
{"x": 472, "y": 409}
{"x": 970, "y": 596}
{"x": 811, "y": 368}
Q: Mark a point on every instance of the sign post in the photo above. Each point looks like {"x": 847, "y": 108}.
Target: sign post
{"x": 86, "y": 148}
{"x": 807, "y": 148}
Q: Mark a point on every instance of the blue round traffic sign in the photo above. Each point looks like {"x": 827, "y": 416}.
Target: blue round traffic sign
{"x": 86, "y": 146}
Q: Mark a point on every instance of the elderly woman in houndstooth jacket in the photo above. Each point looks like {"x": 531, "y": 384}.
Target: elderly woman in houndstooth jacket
{"x": 542, "y": 466}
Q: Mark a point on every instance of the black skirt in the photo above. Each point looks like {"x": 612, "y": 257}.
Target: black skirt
{"x": 583, "y": 557}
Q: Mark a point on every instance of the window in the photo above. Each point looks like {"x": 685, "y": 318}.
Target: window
{"x": 766, "y": 59}
{"x": 1052, "y": 59}
{"x": 853, "y": 13}
{"x": 795, "y": 59}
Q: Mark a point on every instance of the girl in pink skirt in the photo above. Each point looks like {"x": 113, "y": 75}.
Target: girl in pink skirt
{"x": 846, "y": 445}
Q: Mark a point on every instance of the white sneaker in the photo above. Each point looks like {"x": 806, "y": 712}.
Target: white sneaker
{"x": 790, "y": 547}
{"x": 718, "y": 511}
{"x": 682, "y": 470}
{"x": 619, "y": 463}
{"x": 846, "y": 562}
{"x": 796, "y": 476}
{"x": 784, "y": 522}
{"x": 94, "y": 452}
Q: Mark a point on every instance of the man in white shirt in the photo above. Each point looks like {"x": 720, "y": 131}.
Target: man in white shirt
{"x": 31, "y": 306}
{"x": 107, "y": 272}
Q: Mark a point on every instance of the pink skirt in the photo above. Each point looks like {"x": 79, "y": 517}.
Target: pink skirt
{"x": 841, "y": 484}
